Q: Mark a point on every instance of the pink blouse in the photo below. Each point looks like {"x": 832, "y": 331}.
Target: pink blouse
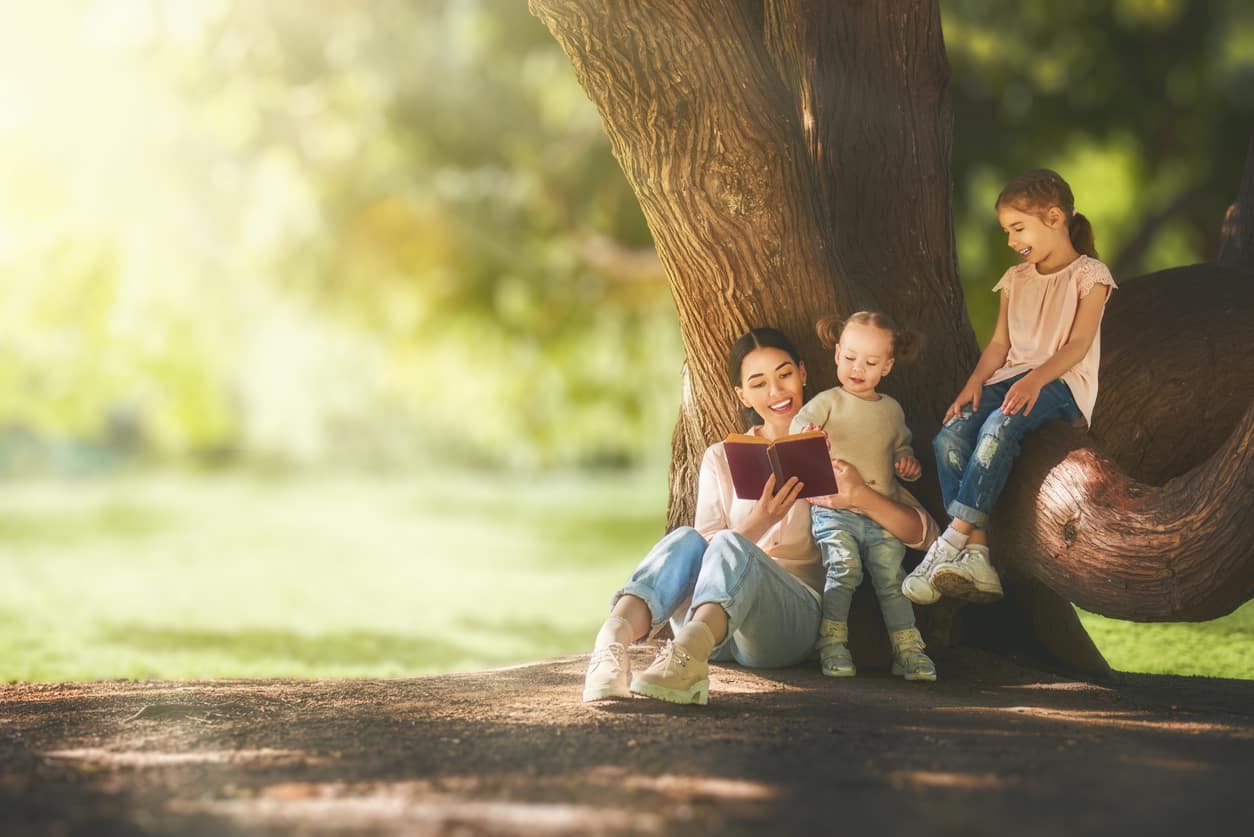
{"x": 1041, "y": 311}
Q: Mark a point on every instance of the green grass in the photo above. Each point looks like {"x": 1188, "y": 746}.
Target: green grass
{"x": 1223, "y": 647}
{"x": 188, "y": 577}
{"x": 180, "y": 576}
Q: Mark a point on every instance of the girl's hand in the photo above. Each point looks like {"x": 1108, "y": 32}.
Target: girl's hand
{"x": 1022, "y": 395}
{"x": 849, "y": 486}
{"x": 970, "y": 395}
{"x": 908, "y": 468}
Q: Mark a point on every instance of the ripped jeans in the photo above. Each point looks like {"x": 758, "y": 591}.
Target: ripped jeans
{"x": 975, "y": 450}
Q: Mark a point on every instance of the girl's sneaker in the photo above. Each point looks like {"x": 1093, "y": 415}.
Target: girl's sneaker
{"x": 833, "y": 645}
{"x": 609, "y": 671}
{"x": 918, "y": 586}
{"x": 909, "y": 661}
{"x": 970, "y": 578}
{"x": 675, "y": 676}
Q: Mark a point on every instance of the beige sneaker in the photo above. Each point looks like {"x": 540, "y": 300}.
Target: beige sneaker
{"x": 676, "y": 676}
{"x": 609, "y": 671}
{"x": 909, "y": 661}
{"x": 834, "y": 657}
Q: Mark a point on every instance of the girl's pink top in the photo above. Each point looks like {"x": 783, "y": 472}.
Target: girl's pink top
{"x": 1041, "y": 312}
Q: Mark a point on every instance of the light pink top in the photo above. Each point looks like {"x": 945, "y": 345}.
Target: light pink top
{"x": 789, "y": 541}
{"x": 1041, "y": 312}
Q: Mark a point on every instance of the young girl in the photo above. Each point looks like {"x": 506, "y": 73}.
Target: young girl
{"x": 741, "y": 582}
{"x": 868, "y": 430}
{"x": 1040, "y": 365}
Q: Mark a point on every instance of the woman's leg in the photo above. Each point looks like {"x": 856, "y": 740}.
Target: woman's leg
{"x": 660, "y": 584}
{"x": 772, "y": 620}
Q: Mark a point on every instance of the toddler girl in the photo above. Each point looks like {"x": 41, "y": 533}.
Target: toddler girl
{"x": 867, "y": 429}
{"x": 1040, "y": 365}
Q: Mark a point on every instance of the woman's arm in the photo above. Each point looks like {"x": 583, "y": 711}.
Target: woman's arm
{"x": 903, "y": 521}
{"x": 1088, "y": 318}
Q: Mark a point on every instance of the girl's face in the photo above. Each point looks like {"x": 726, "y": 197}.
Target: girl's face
{"x": 771, "y": 382}
{"x": 863, "y": 356}
{"x": 1039, "y": 239}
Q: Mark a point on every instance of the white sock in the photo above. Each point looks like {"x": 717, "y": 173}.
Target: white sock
{"x": 697, "y": 638}
{"x": 615, "y": 629}
{"x": 954, "y": 538}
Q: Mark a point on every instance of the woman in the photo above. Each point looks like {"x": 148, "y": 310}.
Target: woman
{"x": 747, "y": 573}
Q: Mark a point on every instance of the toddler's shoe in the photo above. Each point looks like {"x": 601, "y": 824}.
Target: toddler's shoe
{"x": 909, "y": 661}
{"x": 609, "y": 671}
{"x": 918, "y": 586}
{"x": 675, "y": 676}
{"x": 970, "y": 578}
{"x": 834, "y": 656}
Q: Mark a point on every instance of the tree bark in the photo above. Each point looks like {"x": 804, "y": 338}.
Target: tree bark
{"x": 792, "y": 160}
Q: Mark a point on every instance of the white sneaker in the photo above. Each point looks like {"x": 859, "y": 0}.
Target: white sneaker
{"x": 609, "y": 672}
{"x": 971, "y": 578}
{"x": 918, "y": 586}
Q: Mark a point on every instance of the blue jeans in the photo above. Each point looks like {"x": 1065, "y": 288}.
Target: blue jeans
{"x": 772, "y": 617}
{"x": 848, "y": 541}
{"x": 975, "y": 450}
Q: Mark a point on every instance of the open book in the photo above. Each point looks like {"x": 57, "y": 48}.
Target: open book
{"x": 803, "y": 455}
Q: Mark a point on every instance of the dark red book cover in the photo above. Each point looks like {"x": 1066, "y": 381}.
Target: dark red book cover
{"x": 803, "y": 455}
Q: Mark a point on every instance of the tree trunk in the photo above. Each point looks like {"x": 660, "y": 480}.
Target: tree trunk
{"x": 792, "y": 158}
{"x": 1236, "y": 242}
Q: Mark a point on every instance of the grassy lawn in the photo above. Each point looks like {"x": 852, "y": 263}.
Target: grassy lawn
{"x": 178, "y": 576}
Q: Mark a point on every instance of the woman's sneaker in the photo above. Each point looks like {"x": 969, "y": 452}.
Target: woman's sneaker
{"x": 609, "y": 671}
{"x": 834, "y": 657}
{"x": 909, "y": 661}
{"x": 970, "y": 578}
{"x": 675, "y": 676}
{"x": 918, "y": 586}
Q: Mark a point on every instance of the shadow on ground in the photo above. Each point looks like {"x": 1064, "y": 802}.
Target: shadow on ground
{"x": 992, "y": 748}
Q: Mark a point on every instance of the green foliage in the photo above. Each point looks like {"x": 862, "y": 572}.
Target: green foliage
{"x": 1143, "y": 105}
{"x": 1223, "y": 647}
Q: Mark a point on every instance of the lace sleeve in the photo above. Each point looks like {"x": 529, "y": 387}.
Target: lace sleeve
{"x": 1091, "y": 273}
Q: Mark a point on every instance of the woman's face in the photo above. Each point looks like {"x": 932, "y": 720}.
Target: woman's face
{"x": 771, "y": 382}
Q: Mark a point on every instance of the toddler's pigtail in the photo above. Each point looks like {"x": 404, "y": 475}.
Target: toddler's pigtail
{"x": 908, "y": 345}
{"x": 829, "y": 330}
{"x": 1082, "y": 235}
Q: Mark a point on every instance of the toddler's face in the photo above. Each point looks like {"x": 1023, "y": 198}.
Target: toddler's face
{"x": 863, "y": 356}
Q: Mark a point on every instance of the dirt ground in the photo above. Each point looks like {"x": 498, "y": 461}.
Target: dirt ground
{"x": 993, "y": 748}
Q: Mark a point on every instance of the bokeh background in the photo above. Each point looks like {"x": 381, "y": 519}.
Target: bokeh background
{"x": 332, "y": 340}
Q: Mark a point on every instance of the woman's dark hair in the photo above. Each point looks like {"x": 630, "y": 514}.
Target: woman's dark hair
{"x": 1036, "y": 192}
{"x": 907, "y": 344}
{"x": 757, "y": 338}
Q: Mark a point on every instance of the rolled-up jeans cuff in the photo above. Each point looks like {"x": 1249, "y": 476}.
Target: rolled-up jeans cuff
{"x": 650, "y": 599}
{"x": 967, "y": 514}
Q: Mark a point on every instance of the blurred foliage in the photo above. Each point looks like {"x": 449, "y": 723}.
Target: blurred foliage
{"x": 393, "y": 232}
{"x": 1145, "y": 106}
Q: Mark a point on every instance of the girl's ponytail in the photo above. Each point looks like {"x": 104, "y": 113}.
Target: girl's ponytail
{"x": 1082, "y": 235}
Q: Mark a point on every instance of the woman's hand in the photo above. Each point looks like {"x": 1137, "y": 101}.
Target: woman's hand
{"x": 908, "y": 468}
{"x": 771, "y": 507}
{"x": 849, "y": 487}
{"x": 970, "y": 395}
{"x": 1022, "y": 395}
